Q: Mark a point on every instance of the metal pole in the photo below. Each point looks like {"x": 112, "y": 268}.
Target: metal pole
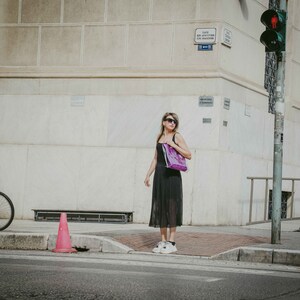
{"x": 266, "y": 199}
{"x": 251, "y": 201}
{"x": 292, "y": 199}
{"x": 278, "y": 145}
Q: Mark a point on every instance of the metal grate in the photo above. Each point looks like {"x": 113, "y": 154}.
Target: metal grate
{"x": 226, "y": 103}
{"x": 206, "y": 120}
{"x": 84, "y": 216}
{"x": 285, "y": 198}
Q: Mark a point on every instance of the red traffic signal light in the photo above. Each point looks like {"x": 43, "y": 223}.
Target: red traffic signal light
{"x": 273, "y": 20}
{"x": 274, "y": 36}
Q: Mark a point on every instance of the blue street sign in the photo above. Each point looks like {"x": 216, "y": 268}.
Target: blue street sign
{"x": 207, "y": 47}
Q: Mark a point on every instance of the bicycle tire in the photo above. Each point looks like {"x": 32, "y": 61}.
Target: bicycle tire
{"x": 7, "y": 211}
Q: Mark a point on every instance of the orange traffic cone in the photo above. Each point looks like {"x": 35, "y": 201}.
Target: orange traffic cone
{"x": 63, "y": 241}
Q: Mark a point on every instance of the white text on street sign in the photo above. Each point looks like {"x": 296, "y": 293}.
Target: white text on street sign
{"x": 205, "y": 35}
{"x": 226, "y": 37}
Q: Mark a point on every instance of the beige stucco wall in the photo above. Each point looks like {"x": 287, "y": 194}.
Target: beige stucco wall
{"x": 84, "y": 84}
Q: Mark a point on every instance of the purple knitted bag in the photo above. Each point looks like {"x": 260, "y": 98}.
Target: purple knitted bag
{"x": 174, "y": 160}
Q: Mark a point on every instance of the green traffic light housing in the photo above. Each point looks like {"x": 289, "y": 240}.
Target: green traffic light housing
{"x": 274, "y": 37}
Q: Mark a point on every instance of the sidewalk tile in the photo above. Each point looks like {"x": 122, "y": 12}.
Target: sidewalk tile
{"x": 190, "y": 243}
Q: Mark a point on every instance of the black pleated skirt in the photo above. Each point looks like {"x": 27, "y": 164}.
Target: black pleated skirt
{"x": 166, "y": 208}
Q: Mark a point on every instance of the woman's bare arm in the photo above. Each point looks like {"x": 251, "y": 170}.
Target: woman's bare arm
{"x": 180, "y": 146}
{"x": 151, "y": 169}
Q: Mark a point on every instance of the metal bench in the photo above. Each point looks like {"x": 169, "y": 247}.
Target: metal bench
{"x": 84, "y": 215}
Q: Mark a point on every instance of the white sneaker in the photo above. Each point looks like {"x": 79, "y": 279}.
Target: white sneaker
{"x": 159, "y": 246}
{"x": 168, "y": 248}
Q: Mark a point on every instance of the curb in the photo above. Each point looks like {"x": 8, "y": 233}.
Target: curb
{"x": 35, "y": 241}
{"x": 261, "y": 255}
{"x": 23, "y": 241}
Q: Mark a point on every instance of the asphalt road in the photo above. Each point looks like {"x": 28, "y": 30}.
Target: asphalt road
{"x": 45, "y": 275}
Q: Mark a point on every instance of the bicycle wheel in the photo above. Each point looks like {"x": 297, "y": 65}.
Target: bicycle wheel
{"x": 7, "y": 211}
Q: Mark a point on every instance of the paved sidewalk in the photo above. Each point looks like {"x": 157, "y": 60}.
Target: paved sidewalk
{"x": 192, "y": 243}
{"x": 203, "y": 241}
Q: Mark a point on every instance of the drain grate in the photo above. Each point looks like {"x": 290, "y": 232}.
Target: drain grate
{"x": 83, "y": 216}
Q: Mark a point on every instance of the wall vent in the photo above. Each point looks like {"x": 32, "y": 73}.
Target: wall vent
{"x": 206, "y": 120}
{"x": 226, "y": 103}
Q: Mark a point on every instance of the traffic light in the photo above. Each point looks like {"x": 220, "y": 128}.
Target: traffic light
{"x": 274, "y": 36}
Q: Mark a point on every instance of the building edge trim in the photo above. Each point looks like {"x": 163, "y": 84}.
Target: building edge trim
{"x": 139, "y": 75}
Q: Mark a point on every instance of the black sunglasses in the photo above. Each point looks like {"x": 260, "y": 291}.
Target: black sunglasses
{"x": 171, "y": 120}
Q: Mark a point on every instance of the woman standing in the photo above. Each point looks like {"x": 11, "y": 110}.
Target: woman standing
{"x": 166, "y": 211}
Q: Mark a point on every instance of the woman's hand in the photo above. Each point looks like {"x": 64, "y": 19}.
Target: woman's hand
{"x": 147, "y": 181}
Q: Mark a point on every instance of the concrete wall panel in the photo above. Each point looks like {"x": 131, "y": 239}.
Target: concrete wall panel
{"x": 55, "y": 170}
{"x": 18, "y": 46}
{"x": 229, "y": 209}
{"x": 76, "y": 11}
{"x": 41, "y": 11}
{"x": 9, "y": 11}
{"x": 210, "y": 9}
{"x": 13, "y": 162}
{"x": 238, "y": 61}
{"x": 135, "y": 120}
{"x": 297, "y": 143}
{"x": 172, "y": 10}
{"x": 23, "y": 120}
{"x": 246, "y": 122}
{"x": 295, "y": 86}
{"x": 104, "y": 46}
{"x": 150, "y": 45}
{"x": 295, "y": 45}
{"x": 205, "y": 196}
{"x": 19, "y": 86}
{"x": 294, "y": 6}
{"x": 60, "y": 46}
{"x": 289, "y": 152}
{"x": 107, "y": 179}
{"x": 128, "y": 10}
{"x": 53, "y": 120}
